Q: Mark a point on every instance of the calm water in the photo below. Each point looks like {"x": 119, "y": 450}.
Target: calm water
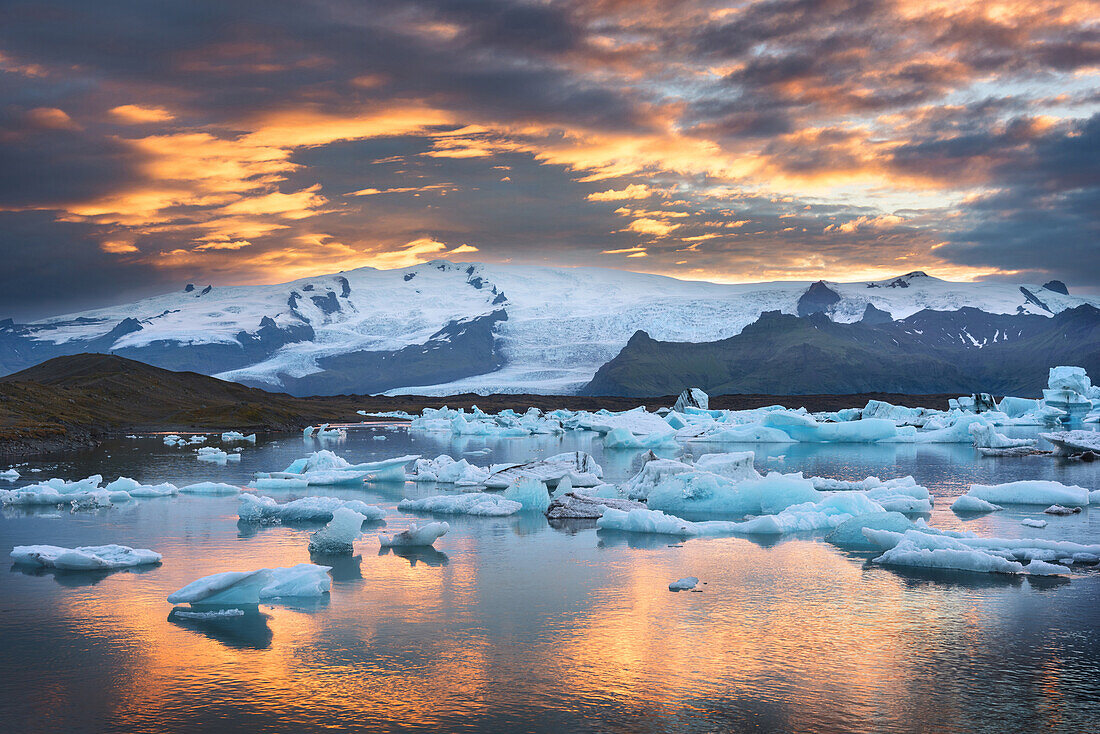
{"x": 515, "y": 625}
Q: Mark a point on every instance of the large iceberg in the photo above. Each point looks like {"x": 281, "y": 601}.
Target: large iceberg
{"x": 84, "y": 558}
{"x": 251, "y": 587}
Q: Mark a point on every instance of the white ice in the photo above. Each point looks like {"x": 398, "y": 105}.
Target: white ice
{"x": 252, "y": 587}
{"x": 345, "y": 527}
{"x": 85, "y": 558}
{"x": 472, "y": 503}
{"x": 415, "y": 536}
{"x": 260, "y": 509}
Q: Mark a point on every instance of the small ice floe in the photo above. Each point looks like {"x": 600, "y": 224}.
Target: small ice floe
{"x": 85, "y": 493}
{"x": 470, "y": 503}
{"x": 211, "y": 488}
{"x": 1070, "y": 443}
{"x": 968, "y": 503}
{"x": 252, "y": 587}
{"x": 216, "y": 455}
{"x": 238, "y": 437}
{"x": 379, "y": 437}
{"x": 324, "y": 468}
{"x": 265, "y": 510}
{"x": 1031, "y": 492}
{"x": 990, "y": 443}
{"x": 1033, "y": 523}
{"x": 1042, "y": 568}
{"x": 208, "y": 616}
{"x": 445, "y": 470}
{"x": 582, "y": 469}
{"x": 415, "y": 536}
{"x": 530, "y": 493}
{"x": 85, "y": 558}
{"x": 131, "y": 435}
{"x": 323, "y": 431}
{"x": 174, "y": 440}
{"x": 136, "y": 489}
{"x": 685, "y": 584}
{"x": 196, "y": 439}
{"x": 1059, "y": 510}
{"x": 928, "y": 548}
{"x": 338, "y": 537}
{"x": 9, "y": 474}
{"x": 580, "y": 506}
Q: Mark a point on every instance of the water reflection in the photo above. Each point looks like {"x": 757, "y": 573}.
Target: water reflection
{"x": 247, "y": 631}
{"x": 428, "y": 555}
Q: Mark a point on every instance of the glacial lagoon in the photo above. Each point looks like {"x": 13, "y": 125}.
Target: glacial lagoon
{"x": 512, "y": 623}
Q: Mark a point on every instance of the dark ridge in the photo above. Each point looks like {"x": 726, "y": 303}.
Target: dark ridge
{"x": 1056, "y": 286}
{"x": 874, "y": 316}
{"x": 75, "y": 401}
{"x": 1032, "y": 298}
{"x": 817, "y": 298}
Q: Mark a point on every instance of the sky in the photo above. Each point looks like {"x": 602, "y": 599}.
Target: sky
{"x": 144, "y": 145}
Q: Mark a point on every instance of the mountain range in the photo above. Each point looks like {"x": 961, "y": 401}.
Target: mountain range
{"x": 442, "y": 328}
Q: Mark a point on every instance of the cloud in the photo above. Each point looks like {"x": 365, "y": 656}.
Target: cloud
{"x": 632, "y": 191}
{"x": 136, "y": 114}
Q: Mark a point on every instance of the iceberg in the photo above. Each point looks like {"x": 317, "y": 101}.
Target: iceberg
{"x": 82, "y": 494}
{"x": 9, "y": 474}
{"x": 445, "y": 470}
{"x": 473, "y": 503}
{"x": 238, "y": 437}
{"x": 658, "y": 523}
{"x": 211, "y": 489}
{"x": 1033, "y": 523}
{"x": 578, "y": 506}
{"x": 530, "y": 493}
{"x": 1018, "y": 549}
{"x": 136, "y": 489}
{"x": 1069, "y": 443}
{"x": 970, "y": 503}
{"x": 336, "y": 538}
{"x": 622, "y": 438}
{"x": 1031, "y": 492}
{"x": 216, "y": 456}
{"x": 735, "y": 466}
{"x": 698, "y": 492}
{"x": 748, "y": 433}
{"x": 849, "y": 534}
{"x": 582, "y": 469}
{"x": 251, "y": 587}
{"x": 85, "y": 558}
{"x": 260, "y": 509}
{"x": 692, "y": 398}
{"x": 1069, "y": 378}
{"x": 985, "y": 437}
{"x": 415, "y": 536}
{"x": 923, "y": 550}
{"x": 324, "y": 468}
{"x": 685, "y": 584}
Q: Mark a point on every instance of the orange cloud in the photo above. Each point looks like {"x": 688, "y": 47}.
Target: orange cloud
{"x": 137, "y": 114}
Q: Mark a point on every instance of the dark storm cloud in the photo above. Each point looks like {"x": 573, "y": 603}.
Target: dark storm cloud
{"x": 145, "y": 143}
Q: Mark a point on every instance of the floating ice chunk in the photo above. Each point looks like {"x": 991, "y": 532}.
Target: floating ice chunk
{"x": 652, "y": 473}
{"x": 85, "y": 492}
{"x": 415, "y": 536}
{"x": 685, "y": 584}
{"x": 985, "y": 437}
{"x": 958, "y": 431}
{"x": 805, "y": 429}
{"x": 849, "y": 534}
{"x": 336, "y": 538}
{"x": 445, "y": 470}
{"x": 1086, "y": 558}
{"x": 829, "y": 513}
{"x": 1068, "y": 443}
{"x": 582, "y": 469}
{"x": 970, "y": 503}
{"x": 473, "y": 503}
{"x": 9, "y": 474}
{"x": 898, "y": 414}
{"x": 1059, "y": 510}
{"x": 658, "y": 523}
{"x": 575, "y": 505}
{"x": 698, "y": 492}
{"x": 173, "y": 440}
{"x": 750, "y": 433}
{"x": 1018, "y": 407}
{"x": 1032, "y": 492}
{"x": 1020, "y": 549}
{"x": 692, "y": 398}
{"x": 196, "y": 439}
{"x": 1069, "y": 378}
{"x": 207, "y": 616}
{"x": 622, "y": 438}
{"x": 238, "y": 437}
{"x": 1042, "y": 568}
{"x": 267, "y": 483}
{"x": 210, "y": 488}
{"x": 260, "y": 509}
{"x": 85, "y": 558}
{"x": 1033, "y": 523}
{"x": 923, "y": 550}
{"x": 324, "y": 468}
{"x": 736, "y": 466}
{"x": 216, "y": 455}
{"x": 252, "y": 587}
{"x": 136, "y": 489}
{"x": 530, "y": 493}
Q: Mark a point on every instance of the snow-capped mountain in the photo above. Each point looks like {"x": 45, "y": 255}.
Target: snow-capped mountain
{"x": 442, "y": 327}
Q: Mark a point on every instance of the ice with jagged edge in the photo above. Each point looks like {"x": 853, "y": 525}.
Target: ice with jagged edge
{"x": 84, "y": 558}
{"x": 266, "y": 510}
{"x": 414, "y": 536}
{"x": 485, "y": 504}
{"x": 232, "y": 588}
{"x": 325, "y": 468}
{"x": 338, "y": 537}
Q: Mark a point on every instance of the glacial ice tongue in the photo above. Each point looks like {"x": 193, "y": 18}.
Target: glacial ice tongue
{"x": 85, "y": 558}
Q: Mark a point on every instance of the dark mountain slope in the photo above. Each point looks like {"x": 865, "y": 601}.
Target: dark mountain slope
{"x": 932, "y": 351}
